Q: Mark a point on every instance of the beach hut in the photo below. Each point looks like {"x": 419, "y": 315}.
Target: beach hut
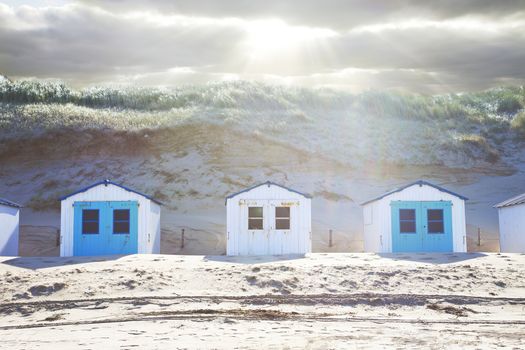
{"x": 268, "y": 219}
{"x": 418, "y": 217}
{"x": 512, "y": 224}
{"x": 106, "y": 219}
{"x": 9, "y": 227}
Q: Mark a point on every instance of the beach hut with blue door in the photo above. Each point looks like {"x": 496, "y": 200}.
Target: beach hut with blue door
{"x": 107, "y": 218}
{"x": 418, "y": 217}
{"x": 9, "y": 227}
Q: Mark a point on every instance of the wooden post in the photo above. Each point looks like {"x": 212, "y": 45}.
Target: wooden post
{"x": 330, "y": 238}
{"x": 479, "y": 236}
{"x": 182, "y": 240}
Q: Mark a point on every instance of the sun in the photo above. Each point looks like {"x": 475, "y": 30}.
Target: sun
{"x": 268, "y": 37}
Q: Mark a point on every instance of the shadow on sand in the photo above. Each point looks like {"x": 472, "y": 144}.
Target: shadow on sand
{"x": 432, "y": 258}
{"x": 248, "y": 260}
{"x": 36, "y": 263}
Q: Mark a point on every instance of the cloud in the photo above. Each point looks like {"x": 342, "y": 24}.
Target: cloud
{"x": 340, "y": 14}
{"x": 81, "y": 40}
{"x": 450, "y": 46}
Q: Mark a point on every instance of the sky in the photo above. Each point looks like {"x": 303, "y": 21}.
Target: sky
{"x": 410, "y": 45}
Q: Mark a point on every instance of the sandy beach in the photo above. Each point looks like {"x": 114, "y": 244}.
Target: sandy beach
{"x": 474, "y": 300}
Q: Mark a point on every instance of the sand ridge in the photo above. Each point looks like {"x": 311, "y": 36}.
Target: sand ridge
{"x": 317, "y": 301}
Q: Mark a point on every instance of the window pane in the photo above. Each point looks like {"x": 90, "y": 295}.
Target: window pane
{"x": 121, "y": 214}
{"x": 436, "y": 227}
{"x": 407, "y": 226}
{"x": 282, "y": 212}
{"x": 407, "y": 214}
{"x": 435, "y": 214}
{"x": 282, "y": 224}
{"x": 90, "y": 227}
{"x": 90, "y": 214}
{"x": 89, "y": 221}
{"x": 255, "y": 212}
{"x": 255, "y": 224}
{"x": 407, "y": 220}
{"x": 121, "y": 221}
{"x": 121, "y": 227}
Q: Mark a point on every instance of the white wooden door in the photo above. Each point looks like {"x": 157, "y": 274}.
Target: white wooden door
{"x": 269, "y": 227}
{"x": 253, "y": 237}
{"x": 283, "y": 233}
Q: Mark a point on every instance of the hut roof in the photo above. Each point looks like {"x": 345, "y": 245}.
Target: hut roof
{"x": 109, "y": 182}
{"x": 511, "y": 202}
{"x": 420, "y": 183}
{"x": 9, "y": 203}
{"x": 268, "y": 183}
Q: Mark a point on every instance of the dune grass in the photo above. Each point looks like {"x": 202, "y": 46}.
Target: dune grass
{"x": 394, "y": 126}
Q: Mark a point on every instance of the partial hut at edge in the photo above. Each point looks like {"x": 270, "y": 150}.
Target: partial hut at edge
{"x": 511, "y": 214}
{"x": 9, "y": 227}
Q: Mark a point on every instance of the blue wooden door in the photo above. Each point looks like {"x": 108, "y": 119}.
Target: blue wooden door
{"x": 406, "y": 226}
{"x": 421, "y": 226}
{"x": 437, "y": 226}
{"x": 123, "y": 222}
{"x": 88, "y": 228}
{"x": 105, "y": 228}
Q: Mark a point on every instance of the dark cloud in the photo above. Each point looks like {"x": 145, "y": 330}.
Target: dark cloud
{"x": 436, "y": 49}
{"x": 83, "y": 40}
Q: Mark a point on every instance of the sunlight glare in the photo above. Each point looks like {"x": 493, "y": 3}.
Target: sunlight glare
{"x": 272, "y": 36}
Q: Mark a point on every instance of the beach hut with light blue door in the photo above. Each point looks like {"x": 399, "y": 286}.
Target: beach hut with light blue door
{"x": 107, "y": 218}
{"x": 418, "y": 217}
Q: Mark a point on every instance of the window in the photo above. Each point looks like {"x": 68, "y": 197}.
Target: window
{"x": 435, "y": 221}
{"x": 407, "y": 220}
{"x": 121, "y": 221}
{"x": 255, "y": 218}
{"x": 282, "y": 218}
{"x": 90, "y": 219}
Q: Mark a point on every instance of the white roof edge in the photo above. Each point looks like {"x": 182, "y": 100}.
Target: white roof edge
{"x": 516, "y": 200}
{"x": 419, "y": 183}
{"x": 268, "y": 183}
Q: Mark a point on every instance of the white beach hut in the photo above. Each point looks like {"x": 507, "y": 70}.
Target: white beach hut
{"x": 268, "y": 219}
{"x": 9, "y": 227}
{"x": 512, "y": 224}
{"x": 106, "y": 219}
{"x": 418, "y": 217}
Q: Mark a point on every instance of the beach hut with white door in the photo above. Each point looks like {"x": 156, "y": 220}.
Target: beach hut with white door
{"x": 512, "y": 224}
{"x": 107, "y": 218}
{"x": 268, "y": 219}
{"x": 9, "y": 227}
{"x": 418, "y": 217}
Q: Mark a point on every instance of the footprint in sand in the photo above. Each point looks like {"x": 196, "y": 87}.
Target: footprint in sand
{"x": 39, "y": 290}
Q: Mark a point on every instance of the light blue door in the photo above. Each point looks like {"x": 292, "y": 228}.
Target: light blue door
{"x": 123, "y": 221}
{"x": 406, "y": 233}
{"x": 421, "y": 226}
{"x": 437, "y": 226}
{"x": 105, "y": 228}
